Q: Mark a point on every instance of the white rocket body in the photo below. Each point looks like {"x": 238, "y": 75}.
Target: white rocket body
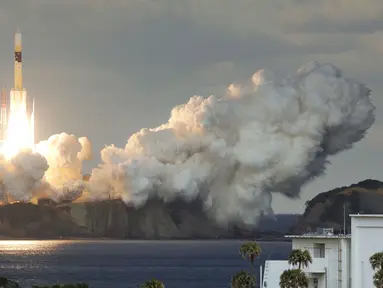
{"x": 3, "y": 115}
{"x": 18, "y": 99}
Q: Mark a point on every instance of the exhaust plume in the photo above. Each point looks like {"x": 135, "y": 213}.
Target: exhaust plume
{"x": 65, "y": 154}
{"x": 52, "y": 170}
{"x": 271, "y": 135}
{"x": 22, "y": 175}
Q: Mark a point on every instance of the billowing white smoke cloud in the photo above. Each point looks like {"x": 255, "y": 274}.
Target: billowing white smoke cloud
{"x": 53, "y": 170}
{"x": 22, "y": 175}
{"x": 271, "y": 135}
{"x": 65, "y": 154}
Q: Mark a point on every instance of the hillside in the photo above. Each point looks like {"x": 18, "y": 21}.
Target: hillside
{"x": 113, "y": 219}
{"x": 180, "y": 220}
{"x": 25, "y": 220}
{"x": 327, "y": 208}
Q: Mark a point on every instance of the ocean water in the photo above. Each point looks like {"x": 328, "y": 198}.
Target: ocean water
{"x": 125, "y": 264}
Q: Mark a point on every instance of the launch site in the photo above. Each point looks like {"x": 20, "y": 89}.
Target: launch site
{"x": 195, "y": 144}
{"x": 17, "y": 138}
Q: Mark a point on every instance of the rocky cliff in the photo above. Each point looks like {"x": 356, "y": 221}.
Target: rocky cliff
{"x": 177, "y": 220}
{"x": 155, "y": 220}
{"x": 25, "y": 220}
{"x": 113, "y": 219}
{"x": 327, "y": 209}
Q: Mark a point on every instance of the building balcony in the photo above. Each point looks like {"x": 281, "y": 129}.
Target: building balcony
{"x": 318, "y": 266}
{"x": 319, "y": 260}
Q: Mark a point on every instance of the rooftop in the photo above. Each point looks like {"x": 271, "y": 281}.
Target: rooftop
{"x": 321, "y": 233}
{"x": 366, "y": 215}
{"x": 318, "y": 236}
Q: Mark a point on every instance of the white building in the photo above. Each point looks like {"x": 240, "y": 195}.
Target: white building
{"x": 367, "y": 239}
{"x": 339, "y": 261}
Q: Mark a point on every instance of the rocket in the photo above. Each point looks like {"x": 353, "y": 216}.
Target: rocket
{"x": 19, "y": 103}
{"x": 3, "y": 115}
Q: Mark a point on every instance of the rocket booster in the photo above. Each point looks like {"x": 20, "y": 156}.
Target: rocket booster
{"x": 3, "y": 115}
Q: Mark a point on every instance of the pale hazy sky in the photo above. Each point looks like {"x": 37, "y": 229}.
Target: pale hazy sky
{"x": 106, "y": 68}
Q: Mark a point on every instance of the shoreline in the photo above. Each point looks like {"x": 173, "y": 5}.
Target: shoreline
{"x": 8, "y": 238}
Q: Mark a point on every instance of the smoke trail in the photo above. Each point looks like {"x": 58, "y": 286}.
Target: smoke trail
{"x": 269, "y": 136}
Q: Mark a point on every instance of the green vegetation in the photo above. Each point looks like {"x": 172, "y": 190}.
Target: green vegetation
{"x": 296, "y": 278}
{"x": 153, "y": 284}
{"x": 243, "y": 279}
{"x": 378, "y": 278}
{"x": 293, "y": 278}
{"x": 250, "y": 251}
{"x": 4, "y": 282}
{"x": 376, "y": 261}
{"x": 302, "y": 258}
{"x": 79, "y": 285}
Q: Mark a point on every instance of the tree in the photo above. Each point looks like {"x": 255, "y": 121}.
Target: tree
{"x": 78, "y": 285}
{"x": 378, "y": 279}
{"x": 293, "y": 278}
{"x": 3, "y": 281}
{"x": 302, "y": 258}
{"x": 376, "y": 261}
{"x": 153, "y": 284}
{"x": 296, "y": 278}
{"x": 243, "y": 279}
{"x": 6, "y": 283}
{"x": 250, "y": 251}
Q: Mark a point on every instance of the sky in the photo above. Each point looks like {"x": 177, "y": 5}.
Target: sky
{"x": 107, "y": 68}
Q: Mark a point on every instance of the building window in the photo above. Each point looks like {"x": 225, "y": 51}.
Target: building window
{"x": 316, "y": 284}
{"x": 319, "y": 250}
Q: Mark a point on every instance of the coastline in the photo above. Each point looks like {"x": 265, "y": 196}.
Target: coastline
{"x": 8, "y": 238}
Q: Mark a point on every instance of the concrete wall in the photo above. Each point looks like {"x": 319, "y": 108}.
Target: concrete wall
{"x": 367, "y": 239}
{"x": 272, "y": 271}
{"x": 346, "y": 263}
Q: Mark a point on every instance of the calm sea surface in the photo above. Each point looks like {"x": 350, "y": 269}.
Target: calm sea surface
{"x": 124, "y": 264}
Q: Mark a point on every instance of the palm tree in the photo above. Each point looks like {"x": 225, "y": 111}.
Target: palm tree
{"x": 293, "y": 278}
{"x": 296, "y": 278}
{"x": 302, "y": 258}
{"x": 376, "y": 261}
{"x": 250, "y": 251}
{"x": 3, "y": 281}
{"x": 153, "y": 284}
{"x": 243, "y": 279}
{"x": 378, "y": 279}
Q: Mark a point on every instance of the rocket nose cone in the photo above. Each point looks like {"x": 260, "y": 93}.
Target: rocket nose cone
{"x": 18, "y": 39}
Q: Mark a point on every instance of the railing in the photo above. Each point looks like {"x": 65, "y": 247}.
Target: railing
{"x": 265, "y": 274}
